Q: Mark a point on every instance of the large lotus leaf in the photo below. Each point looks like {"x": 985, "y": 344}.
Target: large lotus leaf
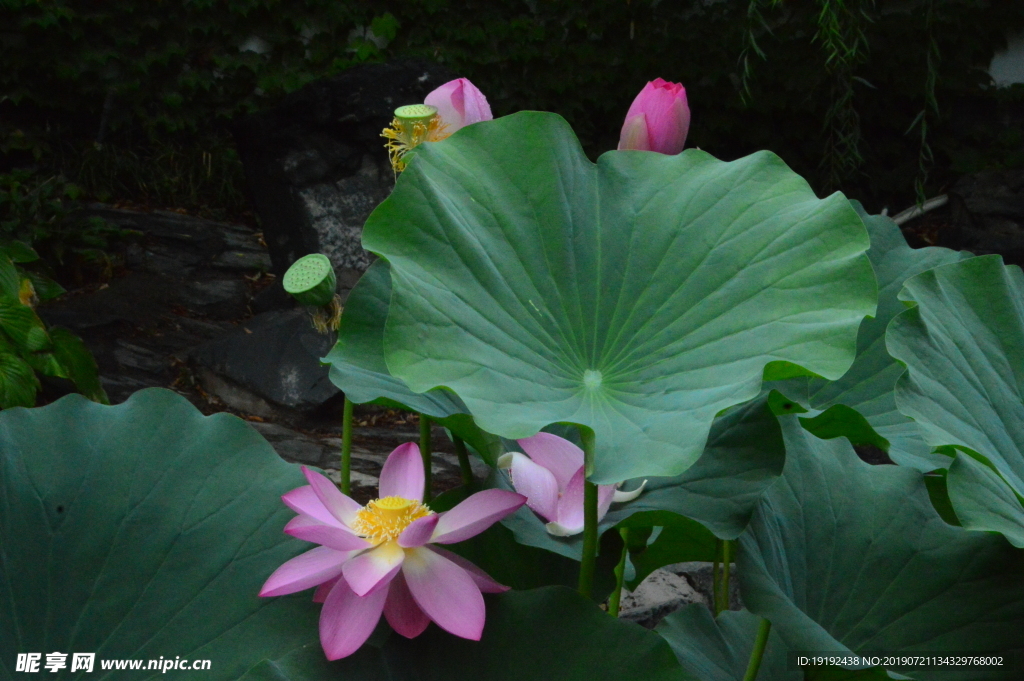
{"x": 844, "y": 556}
{"x": 963, "y": 344}
{"x": 743, "y": 456}
{"x": 549, "y": 634}
{"x": 143, "y": 530}
{"x": 639, "y": 296}
{"x": 868, "y": 386}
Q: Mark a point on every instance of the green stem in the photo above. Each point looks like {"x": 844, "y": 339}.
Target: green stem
{"x": 716, "y": 578}
{"x": 425, "y": 453}
{"x": 464, "y": 466}
{"x": 722, "y": 583}
{"x": 727, "y": 546}
{"x": 757, "y": 653}
{"x": 620, "y": 574}
{"x": 346, "y": 447}
{"x": 588, "y": 564}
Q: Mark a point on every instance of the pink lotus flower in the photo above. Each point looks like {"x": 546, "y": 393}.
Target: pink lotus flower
{"x": 552, "y": 478}
{"x": 379, "y": 558}
{"x": 658, "y": 120}
{"x": 459, "y": 103}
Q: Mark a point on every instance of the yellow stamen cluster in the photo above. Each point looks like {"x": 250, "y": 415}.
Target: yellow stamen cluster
{"x": 384, "y": 519}
{"x": 404, "y": 135}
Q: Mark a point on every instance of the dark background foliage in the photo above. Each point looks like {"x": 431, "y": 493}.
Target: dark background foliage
{"x": 887, "y": 100}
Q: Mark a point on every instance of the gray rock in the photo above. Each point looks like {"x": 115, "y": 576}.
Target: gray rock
{"x": 225, "y": 297}
{"x": 269, "y": 361}
{"x": 316, "y": 166}
{"x": 661, "y": 594}
{"x": 670, "y": 588}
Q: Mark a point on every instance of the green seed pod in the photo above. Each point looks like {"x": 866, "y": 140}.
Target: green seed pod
{"x": 311, "y": 281}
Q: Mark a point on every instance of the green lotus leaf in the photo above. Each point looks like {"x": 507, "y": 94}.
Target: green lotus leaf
{"x": 743, "y": 456}
{"x": 844, "y": 556}
{"x": 548, "y": 634}
{"x": 144, "y": 530}
{"x": 984, "y": 501}
{"x": 868, "y": 386}
{"x": 963, "y": 344}
{"x": 638, "y": 297}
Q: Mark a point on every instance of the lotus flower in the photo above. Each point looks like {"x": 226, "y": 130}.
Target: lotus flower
{"x": 658, "y": 120}
{"x": 551, "y": 475}
{"x": 382, "y": 558}
{"x": 459, "y": 103}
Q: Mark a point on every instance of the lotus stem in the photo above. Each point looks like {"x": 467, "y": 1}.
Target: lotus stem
{"x": 722, "y": 592}
{"x": 620, "y": 574}
{"x": 588, "y": 563}
{"x": 425, "y": 453}
{"x": 464, "y": 465}
{"x": 346, "y": 447}
{"x": 760, "y": 642}
{"x": 716, "y": 578}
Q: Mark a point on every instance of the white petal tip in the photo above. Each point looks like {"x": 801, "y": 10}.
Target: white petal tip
{"x": 619, "y": 497}
{"x": 560, "y": 530}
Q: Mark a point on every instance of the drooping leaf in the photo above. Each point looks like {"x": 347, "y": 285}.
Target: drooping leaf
{"x": 78, "y": 363}
{"x": 680, "y": 540}
{"x": 718, "y": 649}
{"x": 359, "y": 370}
{"x": 639, "y": 297}
{"x": 868, "y": 386}
{"x": 22, "y": 325}
{"x": 9, "y": 279}
{"x": 983, "y": 499}
{"x": 744, "y": 455}
{"x": 357, "y": 359}
{"x": 844, "y": 556}
{"x": 19, "y": 252}
{"x": 18, "y": 383}
{"x": 963, "y": 345}
{"x": 144, "y": 530}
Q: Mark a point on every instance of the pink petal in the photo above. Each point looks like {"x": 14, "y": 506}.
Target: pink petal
{"x": 537, "y": 483}
{"x": 570, "y": 506}
{"x": 341, "y": 507}
{"x": 320, "y": 595}
{"x": 475, "y": 514}
{"x": 667, "y": 117}
{"x": 306, "y": 570}
{"x": 402, "y": 475}
{"x": 367, "y": 570}
{"x": 401, "y": 611}
{"x": 483, "y": 580}
{"x": 475, "y": 105}
{"x": 633, "y": 136}
{"x": 347, "y": 620}
{"x": 305, "y": 501}
{"x": 459, "y": 103}
{"x": 307, "y": 528}
{"x": 418, "y": 532}
{"x": 445, "y": 592}
{"x": 557, "y": 454}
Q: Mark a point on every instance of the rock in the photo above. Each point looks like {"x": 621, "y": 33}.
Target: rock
{"x": 268, "y": 362}
{"x": 670, "y": 588}
{"x": 987, "y": 214}
{"x": 661, "y": 594}
{"x": 315, "y": 165}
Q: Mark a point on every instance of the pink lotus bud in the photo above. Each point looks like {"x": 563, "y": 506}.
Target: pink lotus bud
{"x": 658, "y": 119}
{"x": 459, "y": 103}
